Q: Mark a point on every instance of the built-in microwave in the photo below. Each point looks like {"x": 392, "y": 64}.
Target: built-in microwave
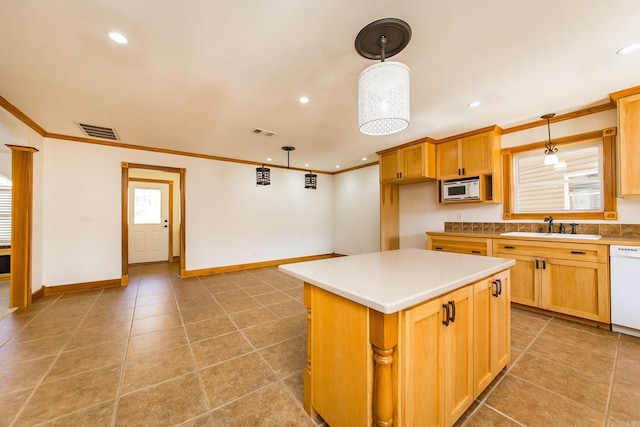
{"x": 464, "y": 189}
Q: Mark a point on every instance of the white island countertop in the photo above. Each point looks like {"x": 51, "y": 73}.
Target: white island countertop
{"x": 391, "y": 281}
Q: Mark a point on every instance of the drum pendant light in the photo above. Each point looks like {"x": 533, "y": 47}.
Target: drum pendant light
{"x": 383, "y": 88}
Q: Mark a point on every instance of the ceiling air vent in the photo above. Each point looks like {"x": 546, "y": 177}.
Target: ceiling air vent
{"x": 264, "y": 132}
{"x": 96, "y": 131}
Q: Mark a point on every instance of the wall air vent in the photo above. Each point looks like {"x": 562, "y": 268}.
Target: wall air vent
{"x": 96, "y": 131}
{"x": 264, "y": 132}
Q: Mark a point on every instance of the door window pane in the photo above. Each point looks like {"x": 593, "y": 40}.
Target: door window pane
{"x": 147, "y": 206}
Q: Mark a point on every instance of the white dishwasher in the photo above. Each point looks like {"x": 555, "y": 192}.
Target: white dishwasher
{"x": 625, "y": 289}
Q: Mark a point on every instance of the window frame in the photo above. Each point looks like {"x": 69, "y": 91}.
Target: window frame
{"x": 610, "y": 213}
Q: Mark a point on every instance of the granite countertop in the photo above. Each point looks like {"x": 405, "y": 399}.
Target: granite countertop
{"x": 391, "y": 281}
{"x": 604, "y": 240}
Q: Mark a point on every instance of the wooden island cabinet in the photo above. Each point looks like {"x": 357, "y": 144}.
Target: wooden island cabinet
{"x": 405, "y": 337}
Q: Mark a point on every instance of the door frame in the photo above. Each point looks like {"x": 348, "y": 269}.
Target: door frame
{"x": 170, "y": 183}
{"x": 124, "y": 280}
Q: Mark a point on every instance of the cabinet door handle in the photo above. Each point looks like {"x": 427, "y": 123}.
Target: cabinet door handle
{"x": 437, "y": 248}
{"x": 462, "y": 171}
{"x": 544, "y": 264}
{"x": 445, "y": 322}
{"x": 475, "y": 252}
{"x": 509, "y": 247}
{"x": 459, "y": 171}
{"x": 537, "y": 266}
{"x": 498, "y": 290}
{"x": 579, "y": 252}
{"x": 453, "y": 311}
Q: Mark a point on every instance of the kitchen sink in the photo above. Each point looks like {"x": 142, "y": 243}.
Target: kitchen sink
{"x": 552, "y": 235}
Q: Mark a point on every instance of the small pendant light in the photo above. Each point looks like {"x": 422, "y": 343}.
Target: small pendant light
{"x": 551, "y": 157}
{"x": 263, "y": 176}
{"x": 311, "y": 181}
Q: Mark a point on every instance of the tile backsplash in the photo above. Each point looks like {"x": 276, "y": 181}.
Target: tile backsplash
{"x": 606, "y": 230}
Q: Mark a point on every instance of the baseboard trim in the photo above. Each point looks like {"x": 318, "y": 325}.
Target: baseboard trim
{"x": 37, "y": 294}
{"x": 249, "y": 266}
{"x": 86, "y": 286}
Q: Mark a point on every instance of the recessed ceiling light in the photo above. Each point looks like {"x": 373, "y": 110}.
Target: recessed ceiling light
{"x": 306, "y": 165}
{"x": 304, "y": 100}
{"x": 364, "y": 158}
{"x": 118, "y": 37}
{"x": 337, "y": 166}
{"x": 268, "y": 159}
{"x": 474, "y": 104}
{"x": 629, "y": 49}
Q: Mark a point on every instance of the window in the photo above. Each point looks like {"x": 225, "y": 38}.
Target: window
{"x": 147, "y": 206}
{"x": 580, "y": 186}
{"x": 5, "y": 210}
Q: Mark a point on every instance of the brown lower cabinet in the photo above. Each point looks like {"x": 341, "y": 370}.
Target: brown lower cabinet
{"x": 568, "y": 278}
{"x": 564, "y": 277}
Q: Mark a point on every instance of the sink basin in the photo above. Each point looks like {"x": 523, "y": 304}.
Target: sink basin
{"x": 552, "y": 235}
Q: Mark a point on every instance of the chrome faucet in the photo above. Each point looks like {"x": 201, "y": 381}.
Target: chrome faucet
{"x": 549, "y": 219}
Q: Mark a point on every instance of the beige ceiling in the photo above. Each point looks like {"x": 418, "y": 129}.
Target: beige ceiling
{"x": 199, "y": 75}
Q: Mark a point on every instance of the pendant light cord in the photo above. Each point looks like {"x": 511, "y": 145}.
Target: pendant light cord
{"x": 383, "y": 43}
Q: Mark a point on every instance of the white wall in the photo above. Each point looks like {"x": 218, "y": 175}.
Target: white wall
{"x": 228, "y": 220}
{"x": 420, "y": 213}
{"x": 76, "y": 223}
{"x": 356, "y": 214}
{"x": 5, "y": 162}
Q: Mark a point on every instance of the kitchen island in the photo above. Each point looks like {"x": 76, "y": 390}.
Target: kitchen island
{"x": 403, "y": 337}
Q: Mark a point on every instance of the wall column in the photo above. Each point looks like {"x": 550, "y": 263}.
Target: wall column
{"x": 21, "y": 224}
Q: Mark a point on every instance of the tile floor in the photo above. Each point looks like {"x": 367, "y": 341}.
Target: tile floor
{"x": 229, "y": 350}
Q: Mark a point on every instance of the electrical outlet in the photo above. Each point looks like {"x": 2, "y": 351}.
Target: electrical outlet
{"x": 459, "y": 216}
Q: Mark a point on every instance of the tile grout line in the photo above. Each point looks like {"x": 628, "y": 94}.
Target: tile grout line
{"x": 507, "y": 371}
{"x": 257, "y": 350}
{"x": 203, "y": 390}
{"x": 504, "y": 415}
{"x": 611, "y": 382}
{"x": 57, "y": 357}
{"x": 116, "y": 402}
{"x": 549, "y": 322}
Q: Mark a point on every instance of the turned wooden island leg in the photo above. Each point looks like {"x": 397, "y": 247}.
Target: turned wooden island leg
{"x": 383, "y": 329}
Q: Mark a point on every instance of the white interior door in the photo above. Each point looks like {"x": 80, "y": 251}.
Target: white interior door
{"x": 148, "y": 222}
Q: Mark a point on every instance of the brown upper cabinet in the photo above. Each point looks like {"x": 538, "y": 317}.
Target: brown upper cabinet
{"x": 413, "y": 163}
{"x": 628, "y": 140}
{"x": 471, "y": 155}
{"x": 464, "y": 157}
